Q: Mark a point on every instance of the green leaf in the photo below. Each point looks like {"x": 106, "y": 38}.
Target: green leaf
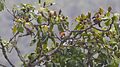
{"x": 67, "y": 24}
{"x": 39, "y": 1}
{"x": 112, "y": 42}
{"x": 113, "y": 64}
{"x": 109, "y": 9}
{"x": 45, "y": 28}
{"x": 89, "y": 15}
{"x": 78, "y": 27}
{"x": 31, "y": 56}
{"x": 1, "y": 6}
{"x": 83, "y": 17}
{"x": 117, "y": 60}
{"x": 101, "y": 10}
{"x": 85, "y": 34}
{"x": 60, "y": 28}
{"x": 14, "y": 29}
{"x": 57, "y": 19}
{"x": 20, "y": 29}
{"x": 115, "y": 17}
{"x": 78, "y": 18}
{"x": 39, "y": 19}
{"x": 45, "y": 46}
{"x": 107, "y": 14}
{"x": 41, "y": 9}
{"x": 116, "y": 27}
{"x": 51, "y": 27}
{"x": 37, "y": 50}
{"x": 108, "y": 22}
{"x": 33, "y": 42}
{"x": 49, "y": 1}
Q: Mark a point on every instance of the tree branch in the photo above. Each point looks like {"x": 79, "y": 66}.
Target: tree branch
{"x": 13, "y": 37}
{"x": 106, "y": 29}
{"x": 81, "y": 31}
{"x": 55, "y": 50}
{"x": 4, "y": 53}
{"x": 19, "y": 54}
{"x": 49, "y": 53}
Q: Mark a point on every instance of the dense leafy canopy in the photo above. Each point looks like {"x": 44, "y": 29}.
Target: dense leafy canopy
{"x": 93, "y": 42}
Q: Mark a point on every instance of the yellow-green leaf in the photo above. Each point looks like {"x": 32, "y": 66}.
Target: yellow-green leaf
{"x": 39, "y": 19}
{"x": 1, "y": 6}
{"x": 14, "y": 29}
{"x": 108, "y": 22}
{"x": 101, "y": 10}
{"x": 49, "y": 1}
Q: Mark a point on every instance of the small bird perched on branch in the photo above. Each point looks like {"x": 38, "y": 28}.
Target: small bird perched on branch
{"x": 64, "y": 34}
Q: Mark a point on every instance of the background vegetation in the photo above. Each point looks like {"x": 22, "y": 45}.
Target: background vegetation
{"x": 92, "y": 39}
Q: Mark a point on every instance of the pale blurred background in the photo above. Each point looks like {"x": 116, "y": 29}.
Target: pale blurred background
{"x": 70, "y": 8}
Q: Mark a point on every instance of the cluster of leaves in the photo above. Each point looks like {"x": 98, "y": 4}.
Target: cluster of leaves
{"x": 39, "y": 23}
{"x": 93, "y": 42}
{"x": 96, "y": 42}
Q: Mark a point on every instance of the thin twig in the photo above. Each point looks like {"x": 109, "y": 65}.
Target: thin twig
{"x": 8, "y": 10}
{"x": 106, "y": 29}
{"x": 13, "y": 37}
{"x": 19, "y": 53}
{"x": 81, "y": 31}
{"x": 43, "y": 15}
{"x": 5, "y": 54}
{"x": 58, "y": 37}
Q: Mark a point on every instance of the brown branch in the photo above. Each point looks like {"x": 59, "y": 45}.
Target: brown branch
{"x": 106, "y": 29}
{"x": 43, "y": 15}
{"x": 13, "y": 37}
{"x": 81, "y": 31}
{"x": 5, "y": 54}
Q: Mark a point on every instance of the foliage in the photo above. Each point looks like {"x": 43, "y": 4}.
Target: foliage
{"x": 2, "y": 5}
{"x": 93, "y": 42}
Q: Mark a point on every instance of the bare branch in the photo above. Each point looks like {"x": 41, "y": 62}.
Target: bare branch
{"x": 81, "y": 31}
{"x": 19, "y": 54}
{"x": 5, "y": 54}
{"x": 8, "y": 10}
{"x": 106, "y": 29}
{"x": 13, "y": 37}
